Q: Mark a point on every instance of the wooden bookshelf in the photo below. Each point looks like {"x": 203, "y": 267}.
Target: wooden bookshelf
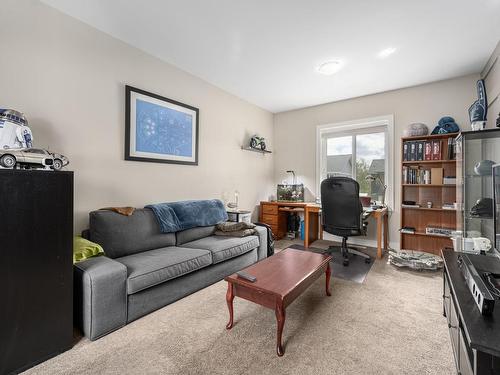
{"x": 422, "y": 217}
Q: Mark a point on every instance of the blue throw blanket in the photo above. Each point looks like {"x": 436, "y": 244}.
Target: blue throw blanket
{"x": 177, "y": 216}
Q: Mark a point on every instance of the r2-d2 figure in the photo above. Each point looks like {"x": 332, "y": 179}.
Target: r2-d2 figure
{"x": 14, "y": 130}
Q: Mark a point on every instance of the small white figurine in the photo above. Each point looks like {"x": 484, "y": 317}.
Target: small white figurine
{"x": 14, "y": 130}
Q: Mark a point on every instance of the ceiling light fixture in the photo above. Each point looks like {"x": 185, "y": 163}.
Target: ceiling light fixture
{"x": 330, "y": 67}
{"x": 386, "y": 52}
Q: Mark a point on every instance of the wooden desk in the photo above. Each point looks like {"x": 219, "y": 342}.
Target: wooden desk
{"x": 382, "y": 217}
{"x": 275, "y": 214}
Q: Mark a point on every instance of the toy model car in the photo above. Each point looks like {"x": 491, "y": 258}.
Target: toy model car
{"x": 32, "y": 158}
{"x": 258, "y": 142}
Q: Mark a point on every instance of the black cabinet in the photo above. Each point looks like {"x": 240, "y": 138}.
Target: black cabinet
{"x": 475, "y": 339}
{"x": 36, "y": 279}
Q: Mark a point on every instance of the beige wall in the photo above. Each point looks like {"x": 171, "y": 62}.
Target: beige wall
{"x": 295, "y": 131}
{"x": 491, "y": 75}
{"x": 69, "y": 79}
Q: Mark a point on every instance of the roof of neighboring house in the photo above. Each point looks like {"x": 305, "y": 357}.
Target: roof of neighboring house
{"x": 377, "y": 166}
{"x": 339, "y": 163}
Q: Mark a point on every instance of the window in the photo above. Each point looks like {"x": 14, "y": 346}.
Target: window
{"x": 358, "y": 149}
{"x": 35, "y": 151}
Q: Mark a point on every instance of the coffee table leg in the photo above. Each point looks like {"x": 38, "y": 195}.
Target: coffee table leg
{"x": 280, "y": 318}
{"x": 328, "y": 274}
{"x": 229, "y": 300}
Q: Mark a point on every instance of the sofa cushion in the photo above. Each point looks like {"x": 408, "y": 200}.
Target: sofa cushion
{"x": 121, "y": 235}
{"x": 154, "y": 267}
{"x": 193, "y": 234}
{"x": 224, "y": 248}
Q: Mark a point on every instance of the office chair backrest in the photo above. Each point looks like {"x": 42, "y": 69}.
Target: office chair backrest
{"x": 341, "y": 207}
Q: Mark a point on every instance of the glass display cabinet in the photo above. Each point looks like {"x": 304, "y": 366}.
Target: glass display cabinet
{"x": 477, "y": 152}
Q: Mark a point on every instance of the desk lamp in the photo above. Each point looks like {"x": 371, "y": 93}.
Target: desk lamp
{"x": 372, "y": 178}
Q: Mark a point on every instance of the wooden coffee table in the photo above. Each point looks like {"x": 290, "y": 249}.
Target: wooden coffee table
{"x": 280, "y": 280}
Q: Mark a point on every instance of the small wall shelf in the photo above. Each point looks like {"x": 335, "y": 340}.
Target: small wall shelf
{"x": 247, "y": 148}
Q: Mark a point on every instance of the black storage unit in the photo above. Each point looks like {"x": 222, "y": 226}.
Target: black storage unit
{"x": 475, "y": 339}
{"x": 36, "y": 267}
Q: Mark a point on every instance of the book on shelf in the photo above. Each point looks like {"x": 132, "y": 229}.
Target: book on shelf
{"x": 413, "y": 151}
{"x": 405, "y": 151}
{"x": 410, "y": 205}
{"x": 449, "y": 180}
{"x": 436, "y": 150}
{"x": 407, "y": 230}
{"x": 416, "y": 175}
{"x": 420, "y": 150}
{"x": 437, "y": 231}
{"x": 428, "y": 150}
{"x": 451, "y": 151}
{"x": 448, "y": 206}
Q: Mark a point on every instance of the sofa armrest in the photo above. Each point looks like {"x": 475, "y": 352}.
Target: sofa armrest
{"x": 262, "y": 250}
{"x": 100, "y": 296}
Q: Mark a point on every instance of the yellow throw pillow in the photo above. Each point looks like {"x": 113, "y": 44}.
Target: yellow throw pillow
{"x": 84, "y": 249}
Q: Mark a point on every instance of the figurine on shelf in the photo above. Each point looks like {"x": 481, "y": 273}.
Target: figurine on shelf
{"x": 16, "y": 145}
{"x": 14, "y": 130}
{"x": 258, "y": 142}
{"x": 479, "y": 109}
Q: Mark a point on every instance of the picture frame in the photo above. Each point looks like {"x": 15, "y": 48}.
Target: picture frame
{"x": 159, "y": 129}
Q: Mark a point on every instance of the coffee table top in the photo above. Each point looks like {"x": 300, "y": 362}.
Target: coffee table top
{"x": 281, "y": 273}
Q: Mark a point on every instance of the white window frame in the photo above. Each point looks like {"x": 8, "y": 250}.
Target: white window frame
{"x": 350, "y": 128}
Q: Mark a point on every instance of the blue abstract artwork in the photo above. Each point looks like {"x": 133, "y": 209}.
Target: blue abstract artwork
{"x": 163, "y": 130}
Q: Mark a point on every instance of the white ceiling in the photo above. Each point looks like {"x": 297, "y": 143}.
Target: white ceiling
{"x": 266, "y": 51}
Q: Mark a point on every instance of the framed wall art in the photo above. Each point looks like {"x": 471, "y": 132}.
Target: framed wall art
{"x": 160, "y": 130}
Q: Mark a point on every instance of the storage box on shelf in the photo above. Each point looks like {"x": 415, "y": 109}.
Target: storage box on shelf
{"x": 422, "y": 182}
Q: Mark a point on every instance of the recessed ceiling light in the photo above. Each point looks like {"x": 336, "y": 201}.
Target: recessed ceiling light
{"x": 386, "y": 52}
{"x": 330, "y": 67}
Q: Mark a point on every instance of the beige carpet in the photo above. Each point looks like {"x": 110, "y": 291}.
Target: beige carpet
{"x": 391, "y": 324}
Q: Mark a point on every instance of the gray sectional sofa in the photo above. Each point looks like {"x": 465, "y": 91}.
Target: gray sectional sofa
{"x": 144, "y": 270}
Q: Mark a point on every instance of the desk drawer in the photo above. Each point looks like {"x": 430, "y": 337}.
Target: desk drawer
{"x": 270, "y": 219}
{"x": 270, "y": 209}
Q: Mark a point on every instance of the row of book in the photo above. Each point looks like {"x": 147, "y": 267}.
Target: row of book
{"x": 415, "y": 175}
{"x": 436, "y": 231}
{"x": 428, "y": 150}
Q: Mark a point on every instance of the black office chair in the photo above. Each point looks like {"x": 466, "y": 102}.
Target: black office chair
{"x": 342, "y": 213}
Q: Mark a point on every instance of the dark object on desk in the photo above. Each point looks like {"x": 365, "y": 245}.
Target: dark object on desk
{"x": 475, "y": 338}
{"x": 365, "y": 201}
{"x": 342, "y": 212}
{"x": 36, "y": 262}
{"x": 498, "y": 121}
